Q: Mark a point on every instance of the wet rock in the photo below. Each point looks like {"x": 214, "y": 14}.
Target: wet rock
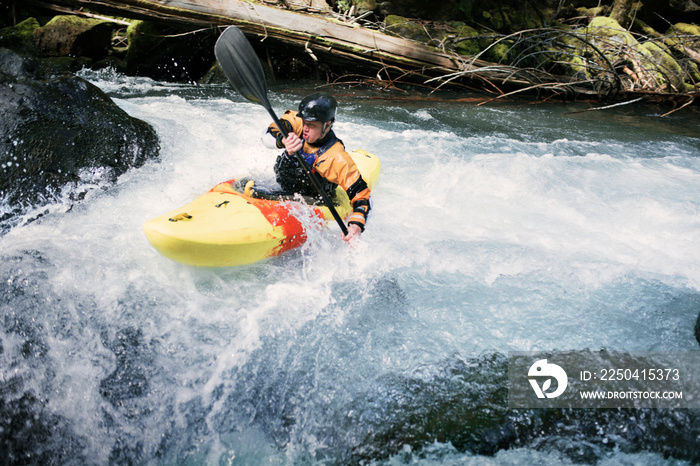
{"x": 697, "y": 329}
{"x": 20, "y": 37}
{"x": 364, "y": 6}
{"x": 57, "y": 129}
{"x": 169, "y": 53}
{"x": 638, "y": 66}
{"x": 65, "y": 36}
{"x": 402, "y": 27}
{"x": 215, "y": 75}
{"x": 465, "y": 405}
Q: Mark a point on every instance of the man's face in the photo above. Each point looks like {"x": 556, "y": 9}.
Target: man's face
{"x": 314, "y": 130}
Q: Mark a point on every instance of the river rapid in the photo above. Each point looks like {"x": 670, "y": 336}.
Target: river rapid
{"x": 495, "y": 228}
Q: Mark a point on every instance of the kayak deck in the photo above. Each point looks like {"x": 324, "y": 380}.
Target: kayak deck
{"x": 233, "y": 225}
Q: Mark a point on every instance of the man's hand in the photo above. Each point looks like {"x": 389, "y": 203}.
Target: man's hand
{"x": 354, "y": 232}
{"x": 292, "y": 143}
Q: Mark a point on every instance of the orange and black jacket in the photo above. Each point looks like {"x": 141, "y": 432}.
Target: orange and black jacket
{"x": 335, "y": 165}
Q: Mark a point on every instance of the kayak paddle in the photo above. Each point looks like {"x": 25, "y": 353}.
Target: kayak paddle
{"x": 243, "y": 70}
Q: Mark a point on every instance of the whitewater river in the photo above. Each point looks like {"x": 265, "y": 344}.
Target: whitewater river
{"x": 496, "y": 228}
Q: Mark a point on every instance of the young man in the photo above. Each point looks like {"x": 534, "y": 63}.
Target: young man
{"x": 310, "y": 133}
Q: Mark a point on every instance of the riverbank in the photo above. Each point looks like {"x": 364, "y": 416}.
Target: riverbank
{"x": 499, "y": 48}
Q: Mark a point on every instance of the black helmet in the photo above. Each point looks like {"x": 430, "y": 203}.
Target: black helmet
{"x": 318, "y": 107}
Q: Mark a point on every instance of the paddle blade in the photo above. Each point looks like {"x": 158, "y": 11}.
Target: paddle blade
{"x": 241, "y": 65}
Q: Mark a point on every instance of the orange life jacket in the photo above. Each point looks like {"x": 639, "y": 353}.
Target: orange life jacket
{"x": 335, "y": 165}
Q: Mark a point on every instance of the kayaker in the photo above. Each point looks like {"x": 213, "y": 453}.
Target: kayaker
{"x": 310, "y": 131}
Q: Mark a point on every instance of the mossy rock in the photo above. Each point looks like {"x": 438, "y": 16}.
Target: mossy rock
{"x": 694, "y": 72}
{"x": 644, "y": 28}
{"x": 55, "y": 126}
{"x": 365, "y": 5}
{"x": 497, "y": 53}
{"x": 606, "y": 28}
{"x": 680, "y": 34}
{"x": 493, "y": 48}
{"x": 565, "y": 57}
{"x": 570, "y": 65}
{"x": 666, "y": 68}
{"x": 164, "y": 53}
{"x": 215, "y": 75}
{"x": 496, "y": 20}
{"x": 685, "y": 29}
{"x": 525, "y": 18}
{"x": 592, "y": 12}
{"x": 469, "y": 47}
{"x": 403, "y": 27}
{"x": 650, "y": 61}
{"x": 21, "y": 36}
{"x": 74, "y": 36}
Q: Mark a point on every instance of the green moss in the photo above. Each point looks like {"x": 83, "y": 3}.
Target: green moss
{"x": 526, "y": 18}
{"x": 569, "y": 65}
{"x": 643, "y": 27}
{"x": 496, "y": 53}
{"x": 141, "y": 35}
{"x": 133, "y": 28}
{"x": 469, "y": 47}
{"x": 651, "y": 60}
{"x": 499, "y": 21}
{"x": 71, "y": 21}
{"x": 565, "y": 58}
{"x": 604, "y": 27}
{"x": 679, "y": 36}
{"x": 694, "y": 72}
{"x": 20, "y": 36}
{"x": 595, "y": 11}
{"x": 507, "y": 18}
{"x": 665, "y": 68}
{"x": 405, "y": 28}
{"x": 365, "y": 5}
{"x": 26, "y": 27}
{"x": 577, "y": 66}
{"x": 685, "y": 29}
{"x": 661, "y": 57}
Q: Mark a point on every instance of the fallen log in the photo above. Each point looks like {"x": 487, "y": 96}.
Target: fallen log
{"x": 319, "y": 35}
{"x": 326, "y": 41}
{"x": 315, "y": 32}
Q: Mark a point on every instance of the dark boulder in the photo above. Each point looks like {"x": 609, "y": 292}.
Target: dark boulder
{"x": 20, "y": 37}
{"x": 73, "y": 36}
{"x": 169, "y": 53}
{"x": 56, "y": 129}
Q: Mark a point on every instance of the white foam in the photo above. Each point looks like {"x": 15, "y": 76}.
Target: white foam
{"x": 496, "y": 243}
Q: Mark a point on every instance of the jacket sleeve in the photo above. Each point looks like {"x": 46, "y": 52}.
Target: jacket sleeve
{"x": 338, "y": 167}
{"x": 292, "y": 124}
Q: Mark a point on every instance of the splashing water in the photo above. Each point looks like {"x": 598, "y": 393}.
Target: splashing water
{"x": 494, "y": 229}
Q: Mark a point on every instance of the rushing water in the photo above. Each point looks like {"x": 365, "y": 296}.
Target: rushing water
{"x": 495, "y": 228}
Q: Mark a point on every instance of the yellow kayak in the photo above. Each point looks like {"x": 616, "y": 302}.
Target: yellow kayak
{"x": 233, "y": 224}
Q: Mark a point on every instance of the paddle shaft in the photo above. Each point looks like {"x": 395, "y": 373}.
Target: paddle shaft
{"x": 307, "y": 169}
